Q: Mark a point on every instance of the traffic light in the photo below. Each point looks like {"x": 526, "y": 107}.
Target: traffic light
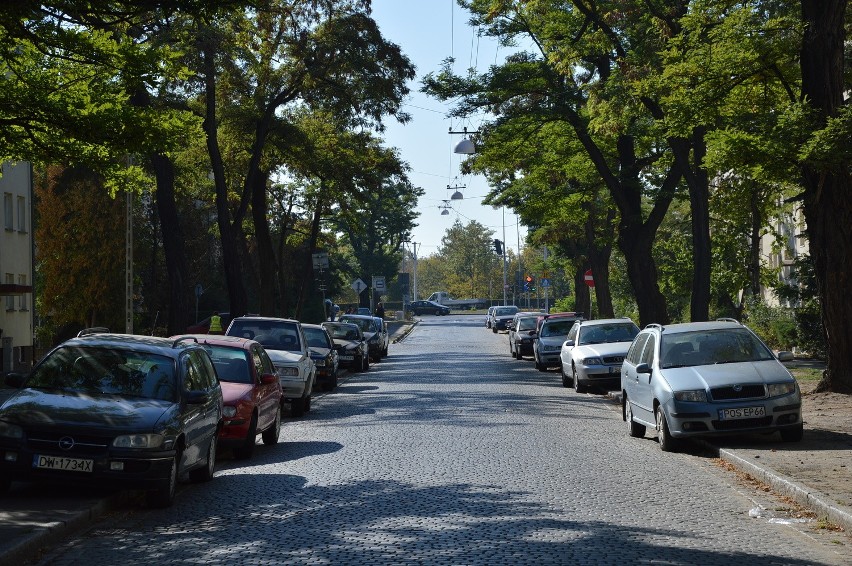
{"x": 498, "y": 246}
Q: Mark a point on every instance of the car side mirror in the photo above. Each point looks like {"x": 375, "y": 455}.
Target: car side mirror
{"x": 268, "y": 379}
{"x": 569, "y": 343}
{"x": 533, "y": 332}
{"x": 15, "y": 380}
{"x": 643, "y": 368}
{"x": 785, "y": 356}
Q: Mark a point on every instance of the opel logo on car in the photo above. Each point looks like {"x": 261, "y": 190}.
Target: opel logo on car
{"x": 66, "y": 443}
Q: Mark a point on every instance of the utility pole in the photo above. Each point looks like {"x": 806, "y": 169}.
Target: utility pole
{"x": 505, "y": 303}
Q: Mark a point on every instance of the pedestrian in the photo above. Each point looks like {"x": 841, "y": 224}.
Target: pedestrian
{"x": 380, "y": 311}
{"x": 215, "y": 324}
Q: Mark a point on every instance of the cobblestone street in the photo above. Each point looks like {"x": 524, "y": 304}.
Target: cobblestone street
{"x": 451, "y": 452}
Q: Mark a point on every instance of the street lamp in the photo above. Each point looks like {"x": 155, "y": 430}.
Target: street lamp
{"x": 465, "y": 146}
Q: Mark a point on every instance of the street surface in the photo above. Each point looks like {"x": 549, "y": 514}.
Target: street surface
{"x": 451, "y": 452}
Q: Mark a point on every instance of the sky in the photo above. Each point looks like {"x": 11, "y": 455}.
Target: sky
{"x": 430, "y": 31}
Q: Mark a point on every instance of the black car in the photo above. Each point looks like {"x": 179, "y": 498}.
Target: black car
{"x": 323, "y": 354}
{"x": 350, "y": 344}
{"x": 133, "y": 412}
{"x": 428, "y": 307}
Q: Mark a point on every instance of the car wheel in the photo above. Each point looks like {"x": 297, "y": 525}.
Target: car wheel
{"x": 270, "y": 435}
{"x": 578, "y": 387}
{"x": 358, "y": 364}
{"x": 164, "y": 494}
{"x": 333, "y": 382}
{"x": 635, "y": 429}
{"x": 245, "y": 451}
{"x": 494, "y": 329}
{"x": 205, "y": 473}
{"x": 668, "y": 443}
{"x": 565, "y": 381}
{"x": 385, "y": 352}
{"x": 540, "y": 366}
{"x": 792, "y": 434}
{"x": 5, "y": 483}
{"x": 308, "y": 403}
{"x": 366, "y": 362}
{"x": 297, "y": 407}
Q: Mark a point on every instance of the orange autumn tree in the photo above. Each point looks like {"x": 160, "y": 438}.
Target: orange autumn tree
{"x": 79, "y": 249}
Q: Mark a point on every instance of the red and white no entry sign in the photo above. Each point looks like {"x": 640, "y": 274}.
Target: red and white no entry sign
{"x": 590, "y": 281}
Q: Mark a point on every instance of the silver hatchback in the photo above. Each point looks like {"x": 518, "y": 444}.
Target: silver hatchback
{"x": 707, "y": 378}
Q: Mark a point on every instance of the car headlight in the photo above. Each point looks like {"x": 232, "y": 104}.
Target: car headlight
{"x": 592, "y": 362}
{"x": 288, "y": 371}
{"x": 229, "y": 411}
{"x": 138, "y": 441}
{"x": 320, "y": 362}
{"x": 695, "y": 396}
{"x": 778, "y": 389}
{"x": 9, "y": 430}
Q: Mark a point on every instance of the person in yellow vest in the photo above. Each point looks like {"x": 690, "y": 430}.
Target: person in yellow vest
{"x": 215, "y": 323}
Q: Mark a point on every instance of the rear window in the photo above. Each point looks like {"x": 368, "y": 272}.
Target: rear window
{"x": 527, "y": 323}
{"x": 232, "y": 364}
{"x": 316, "y": 337}
{"x": 272, "y": 334}
{"x": 504, "y": 311}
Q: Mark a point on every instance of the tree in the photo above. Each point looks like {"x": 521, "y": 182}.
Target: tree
{"x": 467, "y": 252}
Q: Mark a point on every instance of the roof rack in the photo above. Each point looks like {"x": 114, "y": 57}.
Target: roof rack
{"x": 93, "y": 330}
{"x": 727, "y": 319}
{"x": 180, "y": 339}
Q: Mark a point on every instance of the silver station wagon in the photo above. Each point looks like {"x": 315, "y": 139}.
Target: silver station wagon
{"x": 707, "y": 378}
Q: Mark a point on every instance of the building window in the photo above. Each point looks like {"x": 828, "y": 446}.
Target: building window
{"x": 7, "y": 211}
{"x": 22, "y": 215}
{"x": 22, "y": 302}
{"x": 10, "y": 299}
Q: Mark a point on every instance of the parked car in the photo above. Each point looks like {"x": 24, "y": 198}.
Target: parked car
{"x": 285, "y": 343}
{"x": 707, "y": 378}
{"x": 325, "y": 357}
{"x": 548, "y": 340}
{"x": 428, "y": 307}
{"x": 363, "y": 311}
{"x": 554, "y": 315}
{"x": 250, "y": 389}
{"x": 350, "y": 344}
{"x": 593, "y": 352}
{"x": 522, "y": 334}
{"x": 502, "y": 316}
{"x": 489, "y": 316}
{"x": 375, "y": 333}
{"x": 127, "y": 411}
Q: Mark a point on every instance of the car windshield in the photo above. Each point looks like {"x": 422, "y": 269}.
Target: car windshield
{"x": 701, "y": 348}
{"x": 556, "y": 328}
{"x": 100, "y": 370}
{"x": 526, "y": 323}
{"x": 505, "y": 311}
{"x": 232, "y": 364}
{"x": 272, "y": 334}
{"x": 316, "y": 337}
{"x": 603, "y": 333}
{"x": 342, "y": 331}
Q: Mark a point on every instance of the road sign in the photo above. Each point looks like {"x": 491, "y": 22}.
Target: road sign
{"x": 358, "y": 286}
{"x": 320, "y": 260}
{"x": 379, "y": 284}
{"x": 590, "y": 281}
{"x": 545, "y": 282}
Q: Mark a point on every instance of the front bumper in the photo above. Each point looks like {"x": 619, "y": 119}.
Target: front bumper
{"x": 705, "y": 419}
{"x": 608, "y": 376}
{"x": 294, "y": 389}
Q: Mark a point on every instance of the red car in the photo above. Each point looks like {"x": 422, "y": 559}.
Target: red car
{"x": 251, "y": 391}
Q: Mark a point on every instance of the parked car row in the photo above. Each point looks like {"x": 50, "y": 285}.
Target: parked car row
{"x": 137, "y": 412}
{"x": 681, "y": 380}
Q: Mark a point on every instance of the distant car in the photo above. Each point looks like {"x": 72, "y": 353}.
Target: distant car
{"x": 325, "y": 357}
{"x": 350, "y": 344}
{"x": 548, "y": 341}
{"x": 428, "y": 307}
{"x": 593, "y": 352}
{"x": 522, "y": 334}
{"x": 285, "y": 343}
{"x": 250, "y": 389}
{"x": 502, "y": 316}
{"x": 363, "y": 311}
{"x": 489, "y": 315}
{"x": 705, "y": 379}
{"x": 375, "y": 333}
{"x": 133, "y": 412}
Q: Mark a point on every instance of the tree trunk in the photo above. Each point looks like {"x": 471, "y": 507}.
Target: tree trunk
{"x": 267, "y": 264}
{"x": 179, "y": 314}
{"x": 827, "y": 206}
{"x": 230, "y": 251}
{"x": 582, "y": 293}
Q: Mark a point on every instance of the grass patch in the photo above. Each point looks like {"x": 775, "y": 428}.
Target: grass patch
{"x": 807, "y": 374}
